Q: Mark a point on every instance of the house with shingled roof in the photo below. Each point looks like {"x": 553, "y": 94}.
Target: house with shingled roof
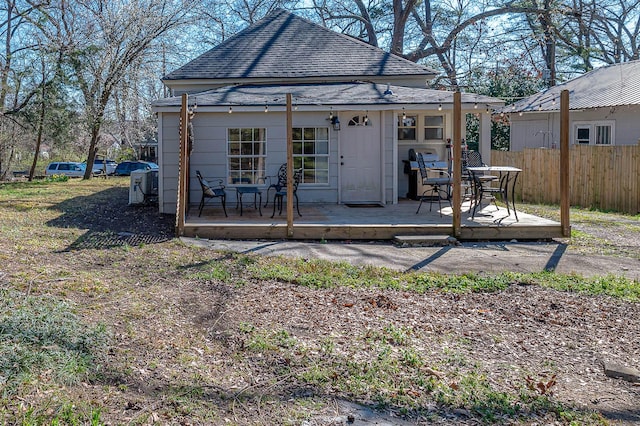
{"x": 358, "y": 112}
{"x": 604, "y": 108}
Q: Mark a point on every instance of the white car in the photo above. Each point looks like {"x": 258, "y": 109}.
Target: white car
{"x": 100, "y": 164}
{"x": 66, "y": 168}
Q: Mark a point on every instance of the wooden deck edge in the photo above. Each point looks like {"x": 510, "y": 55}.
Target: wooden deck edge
{"x": 511, "y": 232}
{"x": 369, "y": 232}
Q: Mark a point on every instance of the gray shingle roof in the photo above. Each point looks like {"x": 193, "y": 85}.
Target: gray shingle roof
{"x": 613, "y": 85}
{"x": 283, "y": 45}
{"x": 328, "y": 94}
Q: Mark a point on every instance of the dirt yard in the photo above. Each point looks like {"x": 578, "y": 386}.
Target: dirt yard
{"x": 197, "y": 339}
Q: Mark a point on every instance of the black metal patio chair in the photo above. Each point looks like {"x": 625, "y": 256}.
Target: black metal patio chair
{"x": 277, "y": 181}
{"x": 482, "y": 188}
{"x": 438, "y": 185}
{"x": 210, "y": 191}
{"x": 281, "y": 190}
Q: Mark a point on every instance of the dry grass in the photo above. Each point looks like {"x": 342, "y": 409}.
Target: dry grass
{"x": 157, "y": 332}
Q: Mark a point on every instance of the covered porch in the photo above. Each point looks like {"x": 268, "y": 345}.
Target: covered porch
{"x": 366, "y": 222}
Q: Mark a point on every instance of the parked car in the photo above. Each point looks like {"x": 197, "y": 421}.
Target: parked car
{"x": 66, "y": 168}
{"x": 126, "y": 167}
{"x": 99, "y": 165}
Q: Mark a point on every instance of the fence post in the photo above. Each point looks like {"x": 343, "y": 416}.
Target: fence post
{"x": 564, "y": 164}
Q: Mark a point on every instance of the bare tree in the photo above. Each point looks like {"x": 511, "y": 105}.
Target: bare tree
{"x": 102, "y": 41}
{"x": 15, "y": 93}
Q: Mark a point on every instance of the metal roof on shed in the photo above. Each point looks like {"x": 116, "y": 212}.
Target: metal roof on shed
{"x": 609, "y": 86}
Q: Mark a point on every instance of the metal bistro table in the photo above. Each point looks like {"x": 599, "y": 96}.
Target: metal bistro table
{"x": 257, "y": 193}
{"x": 507, "y": 177}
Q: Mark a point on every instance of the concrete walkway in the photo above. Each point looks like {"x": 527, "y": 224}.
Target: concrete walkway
{"x": 455, "y": 259}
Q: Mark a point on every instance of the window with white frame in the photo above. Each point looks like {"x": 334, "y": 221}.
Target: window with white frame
{"x": 583, "y": 134}
{"x": 433, "y": 127}
{"x": 420, "y": 128}
{"x": 603, "y": 134}
{"x": 407, "y": 127}
{"x": 311, "y": 153}
{"x": 246, "y": 155}
{"x": 594, "y": 133}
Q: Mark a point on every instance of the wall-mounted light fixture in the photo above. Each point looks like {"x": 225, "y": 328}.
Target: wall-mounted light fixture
{"x": 333, "y": 119}
{"x": 192, "y": 109}
{"x": 335, "y": 122}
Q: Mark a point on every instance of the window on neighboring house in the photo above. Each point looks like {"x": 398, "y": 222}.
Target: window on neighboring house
{"x": 407, "y": 127}
{"x": 594, "y": 133}
{"x": 583, "y": 135}
{"x": 434, "y": 127}
{"x": 247, "y": 155}
{"x": 603, "y": 135}
{"x": 311, "y": 153}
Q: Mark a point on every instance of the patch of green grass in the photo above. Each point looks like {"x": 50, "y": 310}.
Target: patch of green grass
{"x": 324, "y": 274}
{"x": 607, "y": 285}
{"x": 212, "y": 271}
{"x": 317, "y": 273}
{"x": 399, "y": 376}
{"x": 44, "y": 345}
{"x": 269, "y": 341}
{"x": 42, "y": 337}
{"x": 66, "y": 413}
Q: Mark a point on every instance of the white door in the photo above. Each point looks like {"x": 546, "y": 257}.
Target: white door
{"x": 360, "y": 158}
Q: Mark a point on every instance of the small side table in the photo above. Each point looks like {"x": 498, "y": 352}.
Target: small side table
{"x": 257, "y": 194}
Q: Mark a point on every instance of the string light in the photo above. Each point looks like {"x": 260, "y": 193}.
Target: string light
{"x": 230, "y": 110}
{"x": 439, "y": 107}
{"x": 266, "y": 108}
{"x": 475, "y": 106}
{"x": 366, "y": 118}
{"x": 404, "y": 114}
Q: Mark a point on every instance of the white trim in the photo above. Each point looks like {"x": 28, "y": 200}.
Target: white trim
{"x": 394, "y": 137}
{"x": 160, "y": 162}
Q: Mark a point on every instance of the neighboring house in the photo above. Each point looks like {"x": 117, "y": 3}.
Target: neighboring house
{"x": 604, "y": 110}
{"x": 357, "y": 112}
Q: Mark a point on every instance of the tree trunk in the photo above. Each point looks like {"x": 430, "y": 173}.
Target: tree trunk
{"x": 43, "y": 112}
{"x": 550, "y": 43}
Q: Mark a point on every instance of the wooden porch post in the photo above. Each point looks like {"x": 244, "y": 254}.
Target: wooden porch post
{"x": 289, "y": 168}
{"x": 564, "y": 164}
{"x": 456, "y": 167}
{"x": 181, "y": 202}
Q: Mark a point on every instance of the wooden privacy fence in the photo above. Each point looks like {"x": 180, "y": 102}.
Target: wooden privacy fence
{"x": 601, "y": 177}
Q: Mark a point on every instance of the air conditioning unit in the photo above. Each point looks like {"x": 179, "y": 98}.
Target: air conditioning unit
{"x": 143, "y": 186}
